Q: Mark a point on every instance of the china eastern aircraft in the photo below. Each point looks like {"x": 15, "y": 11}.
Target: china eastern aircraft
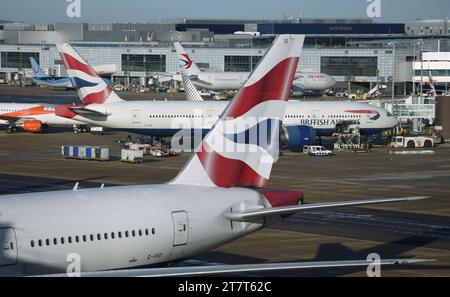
{"x": 303, "y": 121}
{"x": 33, "y": 117}
{"x": 234, "y": 80}
{"x": 220, "y": 195}
{"x": 40, "y": 78}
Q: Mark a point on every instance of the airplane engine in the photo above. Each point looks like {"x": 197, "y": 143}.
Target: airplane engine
{"x": 293, "y": 138}
{"x": 32, "y": 126}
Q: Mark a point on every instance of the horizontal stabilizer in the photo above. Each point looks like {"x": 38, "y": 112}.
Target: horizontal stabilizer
{"x": 86, "y": 112}
{"x": 245, "y": 268}
{"x": 248, "y": 215}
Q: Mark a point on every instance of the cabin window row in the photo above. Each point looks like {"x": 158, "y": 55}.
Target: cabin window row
{"x": 330, "y": 116}
{"x": 176, "y": 116}
{"x": 92, "y": 237}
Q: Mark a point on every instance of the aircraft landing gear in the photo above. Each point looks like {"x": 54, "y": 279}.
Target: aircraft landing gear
{"x": 11, "y": 129}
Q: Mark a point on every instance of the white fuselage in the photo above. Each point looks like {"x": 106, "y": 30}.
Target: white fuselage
{"x": 164, "y": 118}
{"x": 45, "y": 113}
{"x": 234, "y": 80}
{"x": 138, "y": 225}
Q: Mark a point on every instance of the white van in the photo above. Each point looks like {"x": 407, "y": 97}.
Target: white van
{"x": 317, "y": 150}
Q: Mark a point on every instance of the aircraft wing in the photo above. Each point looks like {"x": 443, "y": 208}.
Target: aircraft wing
{"x": 88, "y": 113}
{"x": 248, "y": 215}
{"x": 223, "y": 269}
{"x": 9, "y": 118}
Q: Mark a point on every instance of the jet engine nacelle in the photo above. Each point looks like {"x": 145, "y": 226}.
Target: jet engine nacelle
{"x": 32, "y": 126}
{"x": 293, "y": 138}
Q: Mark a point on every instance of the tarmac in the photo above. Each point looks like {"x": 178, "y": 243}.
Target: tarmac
{"x": 418, "y": 229}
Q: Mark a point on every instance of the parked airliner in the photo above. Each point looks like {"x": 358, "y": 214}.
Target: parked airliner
{"x": 220, "y": 195}
{"x": 234, "y": 80}
{"x": 40, "y": 78}
{"x": 303, "y": 121}
{"x": 33, "y": 117}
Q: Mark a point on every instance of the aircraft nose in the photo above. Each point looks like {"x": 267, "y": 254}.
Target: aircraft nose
{"x": 331, "y": 82}
{"x": 394, "y": 121}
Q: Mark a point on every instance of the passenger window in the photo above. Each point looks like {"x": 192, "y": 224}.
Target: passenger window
{"x": 126, "y": 233}
{"x": 133, "y": 233}
{"x": 99, "y": 237}
{"x": 62, "y": 240}
{"x": 55, "y": 241}
{"x": 112, "y": 235}
{"x": 153, "y": 231}
{"x": 32, "y": 243}
{"x": 140, "y": 232}
{"x": 77, "y": 239}
{"x": 146, "y": 232}
{"x": 92, "y": 237}
{"x": 69, "y": 239}
{"x": 120, "y": 234}
{"x": 106, "y": 236}
{"x": 84, "y": 238}
{"x": 40, "y": 242}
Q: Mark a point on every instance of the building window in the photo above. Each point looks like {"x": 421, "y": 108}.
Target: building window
{"x": 144, "y": 63}
{"x": 241, "y": 63}
{"x": 349, "y": 66}
{"x": 17, "y": 59}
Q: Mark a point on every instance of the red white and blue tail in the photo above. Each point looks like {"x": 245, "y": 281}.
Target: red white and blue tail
{"x": 243, "y": 145}
{"x": 91, "y": 88}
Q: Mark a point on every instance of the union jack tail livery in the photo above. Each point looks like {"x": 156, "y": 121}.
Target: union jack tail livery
{"x": 243, "y": 144}
{"x": 91, "y": 88}
{"x": 187, "y": 65}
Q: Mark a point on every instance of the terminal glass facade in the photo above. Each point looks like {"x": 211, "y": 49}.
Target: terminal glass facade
{"x": 349, "y": 66}
{"x": 241, "y": 63}
{"x": 409, "y": 111}
{"x": 440, "y": 72}
{"x": 144, "y": 63}
{"x": 18, "y": 60}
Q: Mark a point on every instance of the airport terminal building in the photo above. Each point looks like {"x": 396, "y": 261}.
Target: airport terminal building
{"x": 357, "y": 53}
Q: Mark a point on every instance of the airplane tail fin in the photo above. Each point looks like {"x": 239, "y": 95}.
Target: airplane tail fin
{"x": 37, "y": 70}
{"x": 91, "y": 88}
{"x": 190, "y": 90}
{"x": 244, "y": 143}
{"x": 188, "y": 66}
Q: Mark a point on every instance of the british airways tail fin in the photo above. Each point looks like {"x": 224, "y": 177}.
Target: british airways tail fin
{"x": 188, "y": 66}
{"x": 243, "y": 144}
{"x": 37, "y": 71}
{"x": 91, "y": 88}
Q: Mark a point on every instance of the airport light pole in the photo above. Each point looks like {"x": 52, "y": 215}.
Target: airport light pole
{"x": 393, "y": 43}
{"x": 421, "y": 70}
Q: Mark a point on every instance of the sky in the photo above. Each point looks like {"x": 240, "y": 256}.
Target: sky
{"x": 134, "y": 11}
